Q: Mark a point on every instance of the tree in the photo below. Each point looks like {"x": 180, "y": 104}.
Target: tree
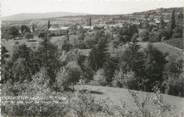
{"x": 68, "y": 76}
{"x": 12, "y": 32}
{"x": 148, "y": 66}
{"x": 173, "y": 77}
{"x": 154, "y": 68}
{"x": 92, "y": 38}
{"x": 110, "y": 65}
{"x": 98, "y": 55}
{"x": 4, "y": 54}
{"x": 28, "y": 36}
{"x": 62, "y": 80}
{"x": 33, "y": 27}
{"x": 5, "y": 75}
{"x": 48, "y": 24}
{"x": 180, "y": 19}
{"x": 154, "y": 37}
{"x": 48, "y": 56}
{"x": 174, "y": 67}
{"x": 74, "y": 72}
{"x": 132, "y": 59}
{"x": 21, "y": 70}
{"x": 177, "y": 32}
{"x": 22, "y": 64}
{"x": 164, "y": 34}
{"x": 175, "y": 86}
{"x": 144, "y": 35}
{"x": 25, "y": 29}
{"x": 162, "y": 23}
{"x": 22, "y": 51}
{"x": 172, "y": 22}
{"x": 99, "y": 77}
{"x": 81, "y": 34}
{"x": 87, "y": 72}
{"x": 67, "y": 46}
{"x": 125, "y": 80}
{"x": 127, "y": 32}
{"x": 42, "y": 34}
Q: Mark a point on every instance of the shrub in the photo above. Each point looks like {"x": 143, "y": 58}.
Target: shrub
{"x": 85, "y": 105}
{"x": 100, "y": 78}
{"x": 28, "y": 36}
{"x": 25, "y": 29}
{"x": 126, "y": 80}
{"x": 175, "y": 86}
{"x": 12, "y": 32}
{"x": 68, "y": 76}
{"x": 62, "y": 80}
{"x": 39, "y": 84}
{"x": 35, "y": 108}
{"x": 67, "y": 46}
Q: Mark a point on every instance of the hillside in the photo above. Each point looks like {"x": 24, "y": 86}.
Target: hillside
{"x": 56, "y": 15}
{"x": 165, "y": 48}
{"x": 160, "y": 11}
{"x": 28, "y": 16}
{"x": 120, "y": 95}
{"x": 177, "y": 42}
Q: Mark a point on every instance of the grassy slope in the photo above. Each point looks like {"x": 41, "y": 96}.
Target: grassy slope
{"x": 177, "y": 42}
{"x": 119, "y": 95}
{"x": 165, "y": 48}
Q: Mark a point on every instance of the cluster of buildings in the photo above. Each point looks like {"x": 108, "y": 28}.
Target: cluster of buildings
{"x": 107, "y": 22}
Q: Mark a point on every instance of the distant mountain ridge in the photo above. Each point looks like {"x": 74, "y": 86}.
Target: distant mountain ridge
{"x": 32, "y": 16}
{"x": 29, "y": 16}
{"x": 160, "y": 11}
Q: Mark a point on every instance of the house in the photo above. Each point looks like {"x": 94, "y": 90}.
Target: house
{"x": 88, "y": 27}
{"x": 56, "y": 31}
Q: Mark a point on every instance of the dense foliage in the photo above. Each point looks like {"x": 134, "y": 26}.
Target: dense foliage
{"x": 123, "y": 56}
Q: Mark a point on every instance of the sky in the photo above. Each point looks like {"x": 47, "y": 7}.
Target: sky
{"x": 11, "y": 7}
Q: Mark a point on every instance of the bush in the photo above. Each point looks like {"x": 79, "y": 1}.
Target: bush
{"x": 11, "y": 32}
{"x": 67, "y": 46}
{"x": 68, "y": 76}
{"x": 62, "y": 80}
{"x": 144, "y": 35}
{"x": 85, "y": 105}
{"x": 125, "y": 80}
{"x": 35, "y": 108}
{"x": 39, "y": 84}
{"x": 100, "y": 78}
{"x": 29, "y": 36}
{"x": 175, "y": 86}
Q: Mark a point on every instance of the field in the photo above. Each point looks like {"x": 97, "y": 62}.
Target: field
{"x": 119, "y": 95}
{"x": 115, "y": 98}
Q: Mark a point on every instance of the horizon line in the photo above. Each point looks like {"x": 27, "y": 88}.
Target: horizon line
{"x": 89, "y": 13}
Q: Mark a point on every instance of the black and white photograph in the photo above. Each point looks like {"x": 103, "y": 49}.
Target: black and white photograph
{"x": 92, "y": 58}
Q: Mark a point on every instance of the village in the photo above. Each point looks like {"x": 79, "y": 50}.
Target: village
{"x": 127, "y": 65}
